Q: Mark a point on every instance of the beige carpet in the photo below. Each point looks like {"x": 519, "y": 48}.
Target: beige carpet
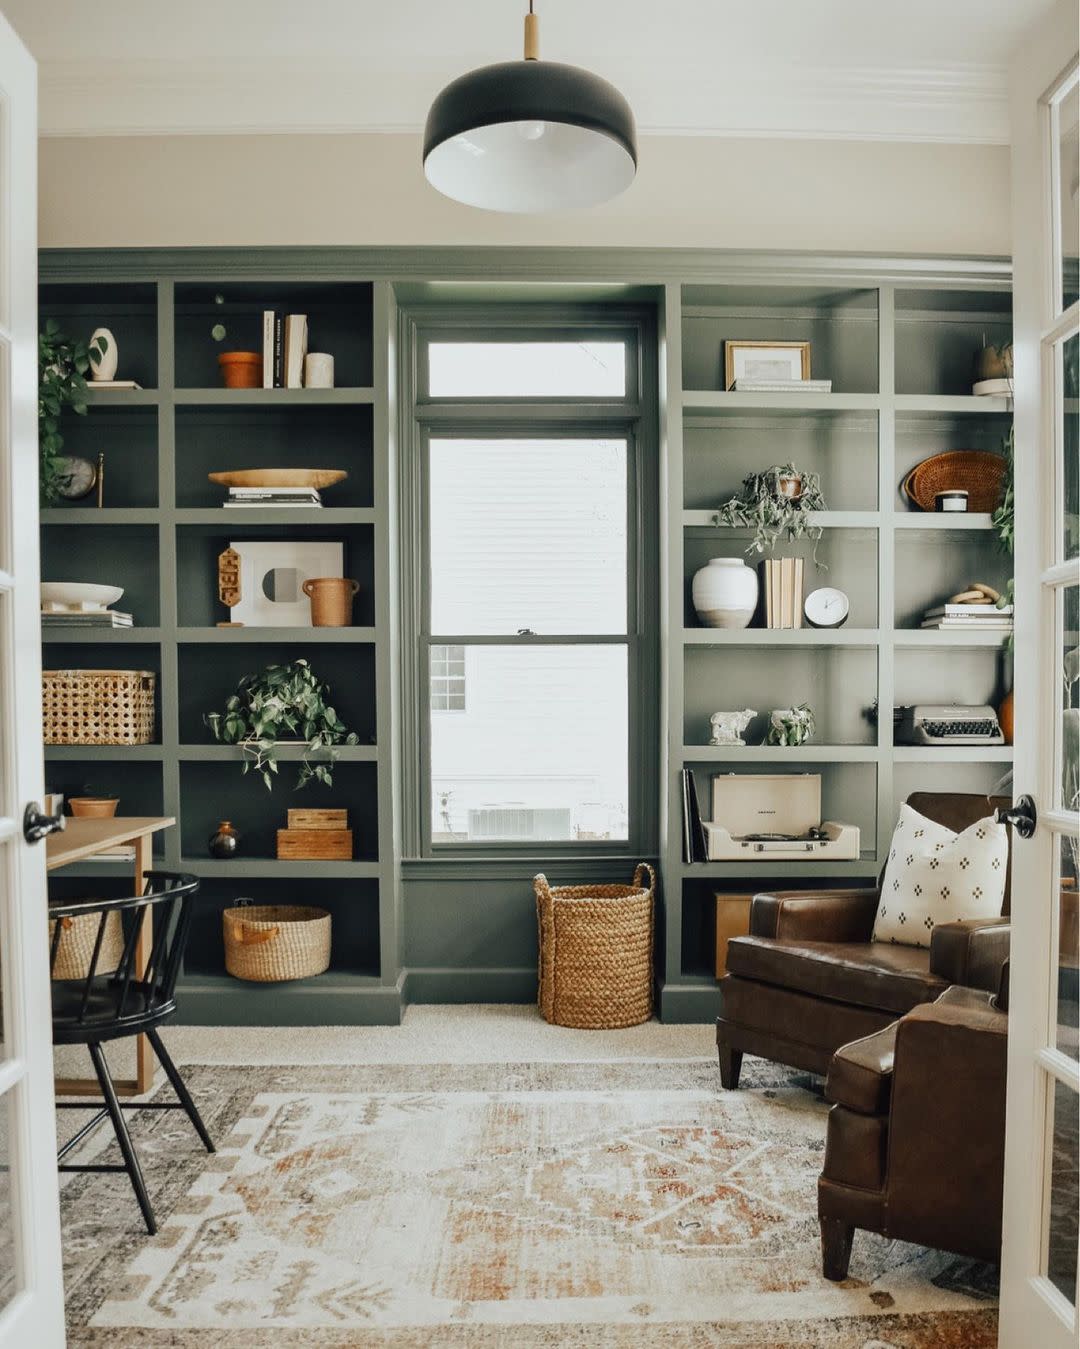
{"x": 540, "y": 1196}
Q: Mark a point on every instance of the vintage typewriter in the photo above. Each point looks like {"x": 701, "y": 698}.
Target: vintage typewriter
{"x": 774, "y": 817}
{"x": 947, "y": 724}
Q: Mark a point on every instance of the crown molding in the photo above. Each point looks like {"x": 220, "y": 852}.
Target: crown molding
{"x": 960, "y": 104}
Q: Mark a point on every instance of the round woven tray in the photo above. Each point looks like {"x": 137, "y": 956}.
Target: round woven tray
{"x": 976, "y": 472}
{"x": 269, "y": 943}
{"x": 596, "y": 952}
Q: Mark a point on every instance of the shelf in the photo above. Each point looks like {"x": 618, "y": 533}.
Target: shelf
{"x": 867, "y": 866}
{"x": 275, "y": 515}
{"x": 950, "y": 637}
{"x": 352, "y": 635}
{"x": 273, "y": 397}
{"x": 826, "y": 519}
{"x": 715, "y": 400}
{"x": 96, "y": 636}
{"x": 108, "y": 515}
{"x": 332, "y": 981}
{"x": 146, "y": 753}
{"x": 781, "y": 754}
{"x": 284, "y": 753}
{"x": 930, "y": 405}
{"x": 120, "y": 398}
{"x": 866, "y": 637}
{"x": 945, "y": 521}
{"x": 952, "y": 754}
{"x": 272, "y": 866}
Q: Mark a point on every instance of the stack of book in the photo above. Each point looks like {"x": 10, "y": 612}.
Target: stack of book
{"x": 782, "y": 592}
{"x": 969, "y": 618}
{"x": 52, "y": 621}
{"x": 272, "y": 496}
{"x": 782, "y": 385}
{"x": 285, "y": 341}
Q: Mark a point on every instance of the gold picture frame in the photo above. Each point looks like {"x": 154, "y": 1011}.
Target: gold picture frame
{"x": 793, "y": 350}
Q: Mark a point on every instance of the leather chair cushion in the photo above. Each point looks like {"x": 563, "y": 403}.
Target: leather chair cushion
{"x": 855, "y": 1149}
{"x": 860, "y": 1074}
{"x": 882, "y": 976}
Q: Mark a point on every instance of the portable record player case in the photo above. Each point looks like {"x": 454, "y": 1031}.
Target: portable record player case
{"x": 748, "y": 806}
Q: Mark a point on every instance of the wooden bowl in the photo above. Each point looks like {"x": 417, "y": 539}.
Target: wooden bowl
{"x": 976, "y": 472}
{"x": 279, "y": 477}
{"x": 93, "y": 807}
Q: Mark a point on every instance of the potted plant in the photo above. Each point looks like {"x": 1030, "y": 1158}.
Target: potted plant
{"x": 280, "y": 703}
{"x": 774, "y": 503}
{"x": 791, "y": 726}
{"x": 62, "y": 366}
{"x": 91, "y": 806}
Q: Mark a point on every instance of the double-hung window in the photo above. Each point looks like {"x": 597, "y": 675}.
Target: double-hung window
{"x": 533, "y": 472}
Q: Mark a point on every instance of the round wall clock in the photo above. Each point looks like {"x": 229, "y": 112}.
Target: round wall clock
{"x": 78, "y": 478}
{"x": 826, "y": 608}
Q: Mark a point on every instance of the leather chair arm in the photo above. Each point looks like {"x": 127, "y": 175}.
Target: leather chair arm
{"x": 814, "y": 915}
{"x": 970, "y": 952}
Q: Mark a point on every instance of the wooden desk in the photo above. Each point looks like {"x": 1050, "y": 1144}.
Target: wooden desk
{"x": 86, "y": 838}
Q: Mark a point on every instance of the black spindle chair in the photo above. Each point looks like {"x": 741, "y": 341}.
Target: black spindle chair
{"x": 122, "y": 1002}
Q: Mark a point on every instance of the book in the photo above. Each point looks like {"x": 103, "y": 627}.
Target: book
{"x": 745, "y": 385}
{"x": 278, "y": 334}
{"x": 268, "y": 349}
{"x": 787, "y": 592}
{"x": 765, "y": 595}
{"x": 121, "y": 853}
{"x": 109, "y": 618}
{"x": 962, "y": 625}
{"x": 774, "y": 569}
{"x": 239, "y": 492}
{"x": 978, "y": 612}
{"x": 798, "y": 592}
{"x": 296, "y": 340}
{"x": 694, "y": 842}
{"x": 112, "y": 384}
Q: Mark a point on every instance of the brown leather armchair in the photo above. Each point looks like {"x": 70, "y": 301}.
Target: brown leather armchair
{"x": 915, "y": 1147}
{"x": 808, "y": 979}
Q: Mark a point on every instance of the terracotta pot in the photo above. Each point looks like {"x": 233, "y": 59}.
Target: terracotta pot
{"x": 241, "y": 369}
{"x": 331, "y": 600}
{"x": 790, "y": 487}
{"x": 1005, "y": 717}
{"x": 94, "y": 807}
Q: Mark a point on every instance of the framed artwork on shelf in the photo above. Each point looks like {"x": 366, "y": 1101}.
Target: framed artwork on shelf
{"x": 771, "y": 361}
{"x": 272, "y": 577}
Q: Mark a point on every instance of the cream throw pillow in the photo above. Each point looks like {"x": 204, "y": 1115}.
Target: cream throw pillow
{"x": 935, "y": 876}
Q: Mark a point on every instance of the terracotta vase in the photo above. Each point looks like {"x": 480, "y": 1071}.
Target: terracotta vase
{"x": 1005, "y": 717}
{"x": 241, "y": 369}
{"x": 331, "y": 600}
{"x": 93, "y": 807}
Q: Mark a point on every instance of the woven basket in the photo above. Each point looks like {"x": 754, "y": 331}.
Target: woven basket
{"x": 76, "y": 949}
{"x": 596, "y": 952}
{"x": 976, "y": 472}
{"x": 272, "y": 942}
{"x": 98, "y": 707}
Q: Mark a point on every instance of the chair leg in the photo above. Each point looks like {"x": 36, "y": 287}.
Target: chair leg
{"x": 180, "y": 1089}
{"x": 836, "y": 1239}
{"x": 730, "y": 1066}
{"x": 131, "y": 1161}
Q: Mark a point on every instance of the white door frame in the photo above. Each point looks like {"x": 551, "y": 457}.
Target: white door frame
{"x": 35, "y": 1313}
{"x": 1033, "y": 1311}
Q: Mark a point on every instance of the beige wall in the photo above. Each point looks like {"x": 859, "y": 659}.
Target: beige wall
{"x": 691, "y": 192}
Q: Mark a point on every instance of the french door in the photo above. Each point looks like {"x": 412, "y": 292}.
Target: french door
{"x": 31, "y": 1289}
{"x": 1042, "y": 1164}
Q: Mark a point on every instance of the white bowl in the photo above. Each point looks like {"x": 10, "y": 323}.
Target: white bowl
{"x": 77, "y": 596}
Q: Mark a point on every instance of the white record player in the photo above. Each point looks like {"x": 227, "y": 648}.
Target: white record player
{"x": 774, "y": 817}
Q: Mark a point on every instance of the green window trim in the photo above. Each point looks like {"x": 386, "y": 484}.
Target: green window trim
{"x": 633, "y": 418}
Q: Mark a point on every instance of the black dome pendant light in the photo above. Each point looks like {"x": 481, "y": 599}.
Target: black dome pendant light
{"x": 530, "y": 136}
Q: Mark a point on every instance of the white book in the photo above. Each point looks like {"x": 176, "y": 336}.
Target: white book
{"x": 961, "y": 625}
{"x": 782, "y": 386}
{"x": 112, "y": 384}
{"x": 268, "y": 349}
{"x": 973, "y": 611}
{"x": 296, "y": 340}
{"x": 238, "y": 492}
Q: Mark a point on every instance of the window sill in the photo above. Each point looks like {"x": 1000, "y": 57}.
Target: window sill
{"x": 613, "y": 868}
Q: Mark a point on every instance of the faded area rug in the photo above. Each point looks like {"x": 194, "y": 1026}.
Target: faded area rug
{"x": 593, "y": 1204}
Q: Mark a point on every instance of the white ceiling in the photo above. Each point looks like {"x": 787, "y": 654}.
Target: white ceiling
{"x": 861, "y": 69}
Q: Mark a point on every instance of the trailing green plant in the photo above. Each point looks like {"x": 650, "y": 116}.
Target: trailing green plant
{"x": 282, "y": 702}
{"x": 62, "y": 366}
{"x": 764, "y": 506}
{"x": 1003, "y": 518}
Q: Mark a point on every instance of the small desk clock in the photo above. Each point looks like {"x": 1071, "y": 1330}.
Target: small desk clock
{"x": 826, "y": 608}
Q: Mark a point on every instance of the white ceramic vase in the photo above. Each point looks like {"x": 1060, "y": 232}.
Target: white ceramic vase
{"x": 725, "y": 593}
{"x": 106, "y": 367}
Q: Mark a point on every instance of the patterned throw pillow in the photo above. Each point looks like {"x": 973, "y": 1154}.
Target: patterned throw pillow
{"x": 935, "y": 876}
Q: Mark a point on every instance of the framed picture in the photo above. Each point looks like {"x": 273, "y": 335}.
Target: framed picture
{"x": 765, "y": 360}
{"x": 272, "y": 577}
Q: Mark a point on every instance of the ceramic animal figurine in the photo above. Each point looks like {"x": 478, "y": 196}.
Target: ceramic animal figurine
{"x": 728, "y": 727}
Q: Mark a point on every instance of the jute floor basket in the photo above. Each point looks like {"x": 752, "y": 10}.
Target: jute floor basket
{"x": 268, "y": 943}
{"x": 76, "y": 946}
{"x": 596, "y": 952}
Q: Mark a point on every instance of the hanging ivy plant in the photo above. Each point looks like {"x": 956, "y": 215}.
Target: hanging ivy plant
{"x": 777, "y": 502}
{"x": 282, "y": 702}
{"x": 1003, "y": 520}
{"x": 62, "y": 367}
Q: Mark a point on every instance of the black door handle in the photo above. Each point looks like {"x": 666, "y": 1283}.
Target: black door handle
{"x": 36, "y": 824}
{"x": 1023, "y": 817}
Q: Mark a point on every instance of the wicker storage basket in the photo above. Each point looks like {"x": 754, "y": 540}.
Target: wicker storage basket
{"x": 977, "y": 472}
{"x": 268, "y": 943}
{"x": 98, "y": 707}
{"x": 76, "y": 948}
{"x": 596, "y": 952}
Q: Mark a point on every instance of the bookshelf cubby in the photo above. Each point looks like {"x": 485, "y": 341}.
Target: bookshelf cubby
{"x": 159, "y": 536}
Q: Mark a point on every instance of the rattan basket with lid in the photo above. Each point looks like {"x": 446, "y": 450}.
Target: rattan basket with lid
{"x": 596, "y": 952}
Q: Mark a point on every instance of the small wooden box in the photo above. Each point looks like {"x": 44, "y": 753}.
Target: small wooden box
{"x": 732, "y": 920}
{"x": 315, "y": 845}
{"x": 318, "y": 819}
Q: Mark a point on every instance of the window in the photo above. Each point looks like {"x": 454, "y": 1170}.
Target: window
{"x": 530, "y": 622}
